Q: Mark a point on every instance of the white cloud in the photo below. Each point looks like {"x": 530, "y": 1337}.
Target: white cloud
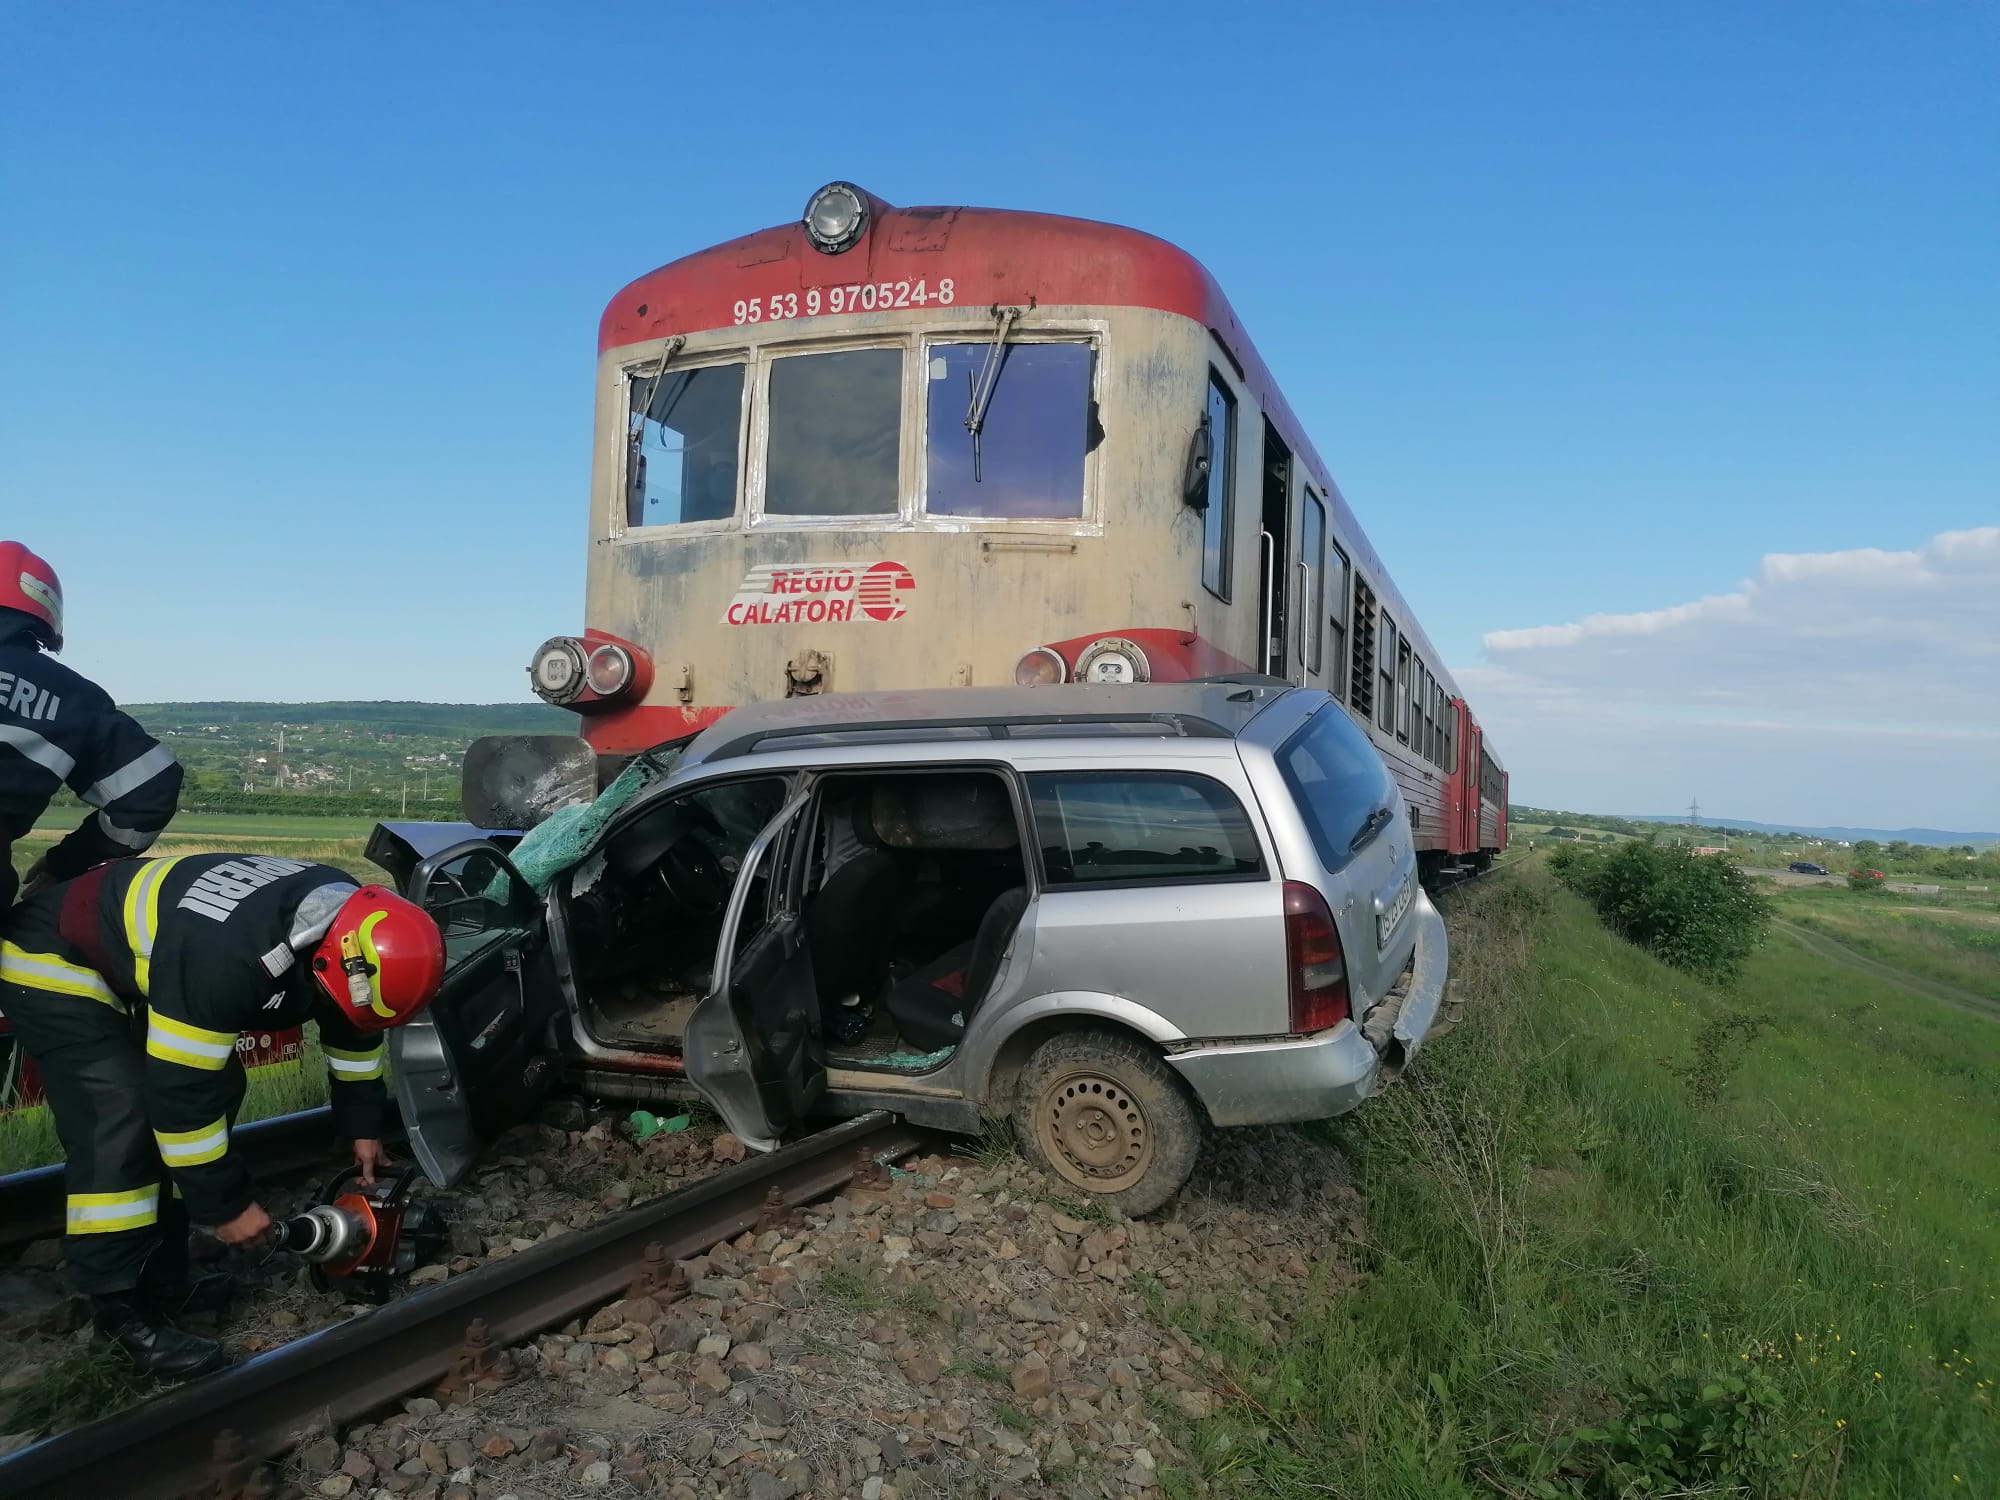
{"x": 1858, "y": 687}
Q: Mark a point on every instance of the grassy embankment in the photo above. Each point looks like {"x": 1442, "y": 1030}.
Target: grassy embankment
{"x": 1614, "y": 1191}
{"x": 28, "y": 1138}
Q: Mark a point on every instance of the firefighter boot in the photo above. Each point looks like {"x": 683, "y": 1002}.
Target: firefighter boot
{"x": 205, "y": 1294}
{"x": 154, "y": 1345}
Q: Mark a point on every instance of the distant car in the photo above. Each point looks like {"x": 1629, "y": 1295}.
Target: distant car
{"x": 1871, "y": 874}
{"x": 1807, "y": 867}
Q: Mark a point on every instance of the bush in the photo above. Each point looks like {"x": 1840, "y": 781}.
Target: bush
{"x": 1696, "y": 912}
{"x": 1861, "y": 880}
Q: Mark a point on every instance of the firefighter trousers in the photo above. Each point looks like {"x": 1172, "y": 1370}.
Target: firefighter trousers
{"x": 127, "y": 1228}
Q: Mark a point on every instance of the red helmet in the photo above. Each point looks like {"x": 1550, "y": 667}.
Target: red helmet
{"x": 382, "y": 959}
{"x": 31, "y": 586}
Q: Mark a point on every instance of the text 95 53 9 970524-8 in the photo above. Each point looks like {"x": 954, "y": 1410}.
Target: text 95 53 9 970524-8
{"x": 868, "y": 296}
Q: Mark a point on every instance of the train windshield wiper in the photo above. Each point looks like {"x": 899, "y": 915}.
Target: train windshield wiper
{"x": 653, "y": 411}
{"x": 1365, "y": 834}
{"x": 979, "y": 392}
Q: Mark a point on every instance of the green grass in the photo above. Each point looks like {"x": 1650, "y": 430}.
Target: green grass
{"x": 1621, "y": 1203}
{"x": 28, "y": 1136}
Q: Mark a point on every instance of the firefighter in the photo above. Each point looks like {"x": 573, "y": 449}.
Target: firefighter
{"x": 129, "y": 986}
{"x": 57, "y": 727}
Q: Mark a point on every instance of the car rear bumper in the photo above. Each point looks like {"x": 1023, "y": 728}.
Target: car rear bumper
{"x": 1282, "y": 1079}
{"x": 1277, "y": 1080}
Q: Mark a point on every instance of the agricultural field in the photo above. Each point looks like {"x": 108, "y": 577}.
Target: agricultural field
{"x": 337, "y": 841}
{"x": 1952, "y": 939}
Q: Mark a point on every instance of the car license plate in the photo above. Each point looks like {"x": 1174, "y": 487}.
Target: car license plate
{"x": 1386, "y": 920}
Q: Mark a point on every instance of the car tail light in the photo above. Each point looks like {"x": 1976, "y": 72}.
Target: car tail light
{"x": 1318, "y": 967}
{"x": 1041, "y": 667}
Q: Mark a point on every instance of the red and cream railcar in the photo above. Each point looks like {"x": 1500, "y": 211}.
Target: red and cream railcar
{"x": 885, "y": 447}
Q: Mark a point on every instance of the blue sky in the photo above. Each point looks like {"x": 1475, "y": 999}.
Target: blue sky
{"x": 1589, "y": 308}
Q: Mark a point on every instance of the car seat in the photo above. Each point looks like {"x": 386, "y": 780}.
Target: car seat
{"x": 932, "y": 1007}
{"x": 851, "y": 924}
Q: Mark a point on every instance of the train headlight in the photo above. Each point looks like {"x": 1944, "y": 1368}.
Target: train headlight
{"x": 609, "y": 671}
{"x": 1041, "y": 667}
{"x": 1113, "y": 660}
{"x": 556, "y": 670}
{"x": 835, "y": 217}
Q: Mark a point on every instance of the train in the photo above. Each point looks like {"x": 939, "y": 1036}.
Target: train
{"x": 875, "y": 448}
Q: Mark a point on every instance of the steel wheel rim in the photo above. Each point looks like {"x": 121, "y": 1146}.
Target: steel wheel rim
{"x": 1094, "y": 1131}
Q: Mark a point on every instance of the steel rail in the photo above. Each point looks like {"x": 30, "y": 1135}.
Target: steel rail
{"x": 167, "y": 1448}
{"x": 31, "y": 1202}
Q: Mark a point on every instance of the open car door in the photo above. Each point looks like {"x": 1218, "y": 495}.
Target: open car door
{"x": 480, "y": 1056}
{"x": 752, "y": 1047}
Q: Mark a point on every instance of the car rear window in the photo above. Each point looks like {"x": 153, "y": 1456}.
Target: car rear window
{"x": 1337, "y": 780}
{"x": 1141, "y": 827}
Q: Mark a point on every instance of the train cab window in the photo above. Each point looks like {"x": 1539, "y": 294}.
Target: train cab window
{"x": 683, "y": 432}
{"x": 1219, "y": 516}
{"x": 1312, "y": 557}
{"x": 1336, "y": 614}
{"x": 1385, "y": 675}
{"x": 835, "y": 422}
{"x": 1037, "y": 424}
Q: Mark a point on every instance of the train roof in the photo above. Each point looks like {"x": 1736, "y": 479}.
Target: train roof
{"x": 996, "y": 256}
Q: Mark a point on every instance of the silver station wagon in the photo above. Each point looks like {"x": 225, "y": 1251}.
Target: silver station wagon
{"x": 1115, "y": 915}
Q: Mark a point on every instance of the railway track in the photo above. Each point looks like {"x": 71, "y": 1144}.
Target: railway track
{"x": 213, "y": 1438}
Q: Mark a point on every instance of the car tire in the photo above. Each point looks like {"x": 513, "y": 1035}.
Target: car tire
{"x": 1103, "y": 1114}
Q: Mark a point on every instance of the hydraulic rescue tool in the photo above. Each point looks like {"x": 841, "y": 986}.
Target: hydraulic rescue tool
{"x": 365, "y": 1239}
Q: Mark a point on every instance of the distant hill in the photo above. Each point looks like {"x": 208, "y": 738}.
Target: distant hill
{"x": 333, "y": 759}
{"x": 1940, "y": 837}
{"x": 460, "y": 721}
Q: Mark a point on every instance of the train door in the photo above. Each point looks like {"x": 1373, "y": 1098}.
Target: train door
{"x": 1274, "y": 558}
{"x": 1468, "y": 779}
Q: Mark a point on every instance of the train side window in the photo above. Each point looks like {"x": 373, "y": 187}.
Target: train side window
{"x": 1336, "y": 605}
{"x": 1403, "y": 690}
{"x": 1312, "y": 553}
{"x": 1385, "y": 676}
{"x": 683, "y": 432}
{"x": 1038, "y": 424}
{"x": 836, "y": 426}
{"x": 1419, "y": 708}
{"x": 1219, "y": 517}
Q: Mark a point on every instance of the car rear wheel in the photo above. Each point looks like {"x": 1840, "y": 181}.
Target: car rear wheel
{"x": 1104, "y": 1114}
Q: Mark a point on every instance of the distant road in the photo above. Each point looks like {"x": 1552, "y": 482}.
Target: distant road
{"x": 1792, "y": 877}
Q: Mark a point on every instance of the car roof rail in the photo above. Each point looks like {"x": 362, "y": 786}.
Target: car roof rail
{"x": 916, "y": 731}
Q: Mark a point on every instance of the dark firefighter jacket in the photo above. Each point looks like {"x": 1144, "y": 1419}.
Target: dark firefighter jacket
{"x": 58, "y": 728}
{"x": 215, "y": 944}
